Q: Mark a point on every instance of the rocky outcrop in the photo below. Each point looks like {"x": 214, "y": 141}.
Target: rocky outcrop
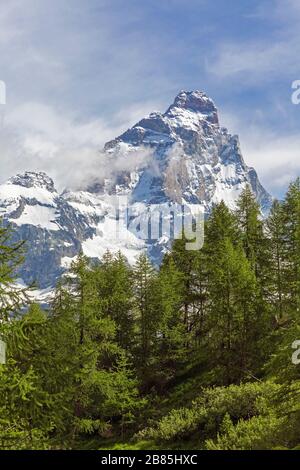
{"x": 190, "y": 160}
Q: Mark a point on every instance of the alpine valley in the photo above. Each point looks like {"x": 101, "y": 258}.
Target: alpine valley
{"x": 181, "y": 156}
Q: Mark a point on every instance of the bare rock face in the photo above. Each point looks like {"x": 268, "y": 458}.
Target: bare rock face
{"x": 52, "y": 229}
{"x": 190, "y": 160}
{"x": 193, "y": 159}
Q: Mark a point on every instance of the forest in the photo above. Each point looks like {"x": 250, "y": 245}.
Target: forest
{"x": 195, "y": 355}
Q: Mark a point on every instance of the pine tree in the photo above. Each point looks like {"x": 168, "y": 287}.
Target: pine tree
{"x": 97, "y": 354}
{"x": 250, "y": 224}
{"x": 147, "y": 319}
{"x": 22, "y": 423}
{"x": 22, "y": 407}
{"x": 232, "y": 291}
{"x": 172, "y": 334}
{"x": 191, "y": 268}
{"x": 114, "y": 288}
{"x": 40, "y": 397}
{"x": 256, "y": 248}
{"x": 12, "y": 297}
{"x": 276, "y": 253}
{"x": 184, "y": 261}
{"x": 291, "y": 209}
{"x": 234, "y": 327}
{"x": 222, "y": 224}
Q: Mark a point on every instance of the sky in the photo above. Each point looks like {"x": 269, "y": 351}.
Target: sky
{"x": 80, "y": 72}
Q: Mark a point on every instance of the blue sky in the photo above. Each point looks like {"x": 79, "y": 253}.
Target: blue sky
{"x": 79, "y": 72}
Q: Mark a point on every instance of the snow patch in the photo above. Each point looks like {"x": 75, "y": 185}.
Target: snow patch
{"x": 39, "y": 216}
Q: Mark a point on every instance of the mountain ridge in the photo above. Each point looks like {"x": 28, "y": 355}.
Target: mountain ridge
{"x": 180, "y": 156}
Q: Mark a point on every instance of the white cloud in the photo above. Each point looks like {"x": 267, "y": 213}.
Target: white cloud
{"x": 88, "y": 57}
{"x": 77, "y": 76}
{"x": 256, "y": 61}
{"x": 276, "y": 158}
{"x": 39, "y": 138}
{"x": 271, "y": 56}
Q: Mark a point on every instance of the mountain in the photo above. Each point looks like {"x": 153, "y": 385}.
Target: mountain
{"x": 182, "y": 156}
{"x": 193, "y": 158}
{"x": 52, "y": 228}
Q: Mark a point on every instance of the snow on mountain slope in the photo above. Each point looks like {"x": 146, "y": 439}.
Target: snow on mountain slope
{"x": 194, "y": 159}
{"x": 51, "y": 227}
{"x": 190, "y": 160}
{"x": 108, "y": 234}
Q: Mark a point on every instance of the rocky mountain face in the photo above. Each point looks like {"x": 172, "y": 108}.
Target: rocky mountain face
{"x": 182, "y": 156}
{"x": 193, "y": 159}
{"x": 53, "y": 229}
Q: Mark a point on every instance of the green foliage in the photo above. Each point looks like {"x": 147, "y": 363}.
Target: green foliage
{"x": 22, "y": 408}
{"x": 195, "y": 355}
{"x": 102, "y": 384}
{"x": 206, "y": 414}
{"x": 12, "y": 297}
{"x": 257, "y": 433}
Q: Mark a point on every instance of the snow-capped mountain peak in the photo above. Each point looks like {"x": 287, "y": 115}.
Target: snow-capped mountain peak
{"x": 194, "y": 102}
{"x": 194, "y": 160}
{"x": 189, "y": 160}
{"x": 33, "y": 179}
{"x": 52, "y": 229}
{"x": 21, "y": 193}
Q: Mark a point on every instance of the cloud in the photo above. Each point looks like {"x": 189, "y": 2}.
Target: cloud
{"x": 262, "y": 69}
{"x": 276, "y": 158}
{"x": 289, "y": 10}
{"x": 256, "y": 61}
{"x": 77, "y": 76}
{"x": 264, "y": 57}
{"x": 94, "y": 57}
{"x": 80, "y": 73}
{"x": 63, "y": 148}
{"x": 37, "y": 137}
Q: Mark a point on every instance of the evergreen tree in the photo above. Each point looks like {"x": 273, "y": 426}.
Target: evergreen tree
{"x": 148, "y": 319}
{"x": 114, "y": 287}
{"x": 29, "y": 356}
{"x": 95, "y": 355}
{"x": 256, "y": 248}
{"x": 184, "y": 260}
{"x": 172, "y": 334}
{"x": 22, "y": 422}
{"x": 12, "y": 297}
{"x": 233, "y": 314}
{"x": 22, "y": 405}
{"x": 291, "y": 210}
{"x": 222, "y": 224}
{"x": 276, "y": 252}
{"x": 251, "y": 227}
{"x": 122, "y": 349}
{"x": 234, "y": 325}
